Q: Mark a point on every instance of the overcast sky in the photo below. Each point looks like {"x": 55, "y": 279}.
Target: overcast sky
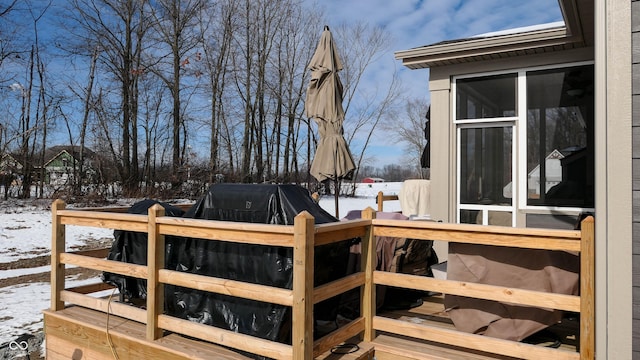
{"x": 413, "y": 23}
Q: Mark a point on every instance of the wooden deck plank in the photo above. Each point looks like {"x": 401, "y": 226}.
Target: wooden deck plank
{"x": 394, "y": 347}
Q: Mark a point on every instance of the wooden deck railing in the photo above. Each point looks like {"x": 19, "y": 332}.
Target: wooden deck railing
{"x": 303, "y": 236}
{"x": 381, "y": 198}
{"x": 556, "y": 240}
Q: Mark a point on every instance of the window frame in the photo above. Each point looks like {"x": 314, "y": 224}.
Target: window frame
{"x": 519, "y": 143}
{"x": 486, "y": 208}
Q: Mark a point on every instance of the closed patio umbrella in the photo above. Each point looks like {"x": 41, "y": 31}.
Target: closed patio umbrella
{"x": 333, "y": 159}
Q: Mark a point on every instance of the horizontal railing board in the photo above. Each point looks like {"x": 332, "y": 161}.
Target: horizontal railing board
{"x": 116, "y": 221}
{"x": 91, "y": 288}
{"x": 335, "y": 237}
{"x": 472, "y": 341}
{"x": 112, "y": 266}
{"x": 480, "y": 291}
{"x": 105, "y": 305}
{"x": 224, "y": 337}
{"x": 330, "y": 233}
{"x": 477, "y": 229}
{"x": 473, "y": 235}
{"x": 337, "y": 287}
{"x": 226, "y": 225}
{"x": 347, "y": 331}
{"x": 228, "y": 287}
{"x": 96, "y": 253}
{"x": 338, "y": 226}
{"x": 253, "y": 236}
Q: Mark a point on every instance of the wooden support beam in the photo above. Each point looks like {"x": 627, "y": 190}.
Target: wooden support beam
{"x": 587, "y": 290}
{"x": 303, "y": 275}
{"x": 155, "y": 262}
{"x": 57, "y": 248}
{"x": 368, "y": 265}
{"x": 382, "y": 198}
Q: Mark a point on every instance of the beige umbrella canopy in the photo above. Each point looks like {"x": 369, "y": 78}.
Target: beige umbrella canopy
{"x": 333, "y": 159}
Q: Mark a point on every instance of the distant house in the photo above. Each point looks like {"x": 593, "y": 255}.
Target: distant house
{"x": 10, "y": 169}
{"x": 370, "y": 180}
{"x": 62, "y": 163}
{"x": 552, "y": 175}
{"x": 9, "y": 164}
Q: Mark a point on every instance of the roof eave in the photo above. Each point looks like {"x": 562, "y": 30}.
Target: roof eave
{"x": 495, "y": 46}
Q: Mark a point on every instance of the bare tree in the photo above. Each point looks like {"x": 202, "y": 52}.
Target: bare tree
{"x": 6, "y": 35}
{"x": 87, "y": 109}
{"x": 255, "y": 48}
{"x": 42, "y": 109}
{"x": 409, "y": 128}
{"x": 118, "y": 28}
{"x": 8, "y": 49}
{"x": 26, "y": 129}
{"x": 149, "y": 65}
{"x": 175, "y": 22}
{"x": 217, "y": 26}
{"x": 155, "y": 136}
{"x": 296, "y": 40}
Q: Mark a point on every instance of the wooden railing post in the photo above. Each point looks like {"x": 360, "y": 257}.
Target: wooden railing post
{"x": 57, "y": 247}
{"x": 380, "y": 201}
{"x": 368, "y": 265}
{"x": 587, "y": 285}
{"x": 303, "y": 275}
{"x": 155, "y": 262}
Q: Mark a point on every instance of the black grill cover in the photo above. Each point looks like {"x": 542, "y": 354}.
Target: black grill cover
{"x": 131, "y": 247}
{"x": 259, "y": 264}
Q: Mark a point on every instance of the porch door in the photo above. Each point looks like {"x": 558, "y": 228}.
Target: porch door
{"x": 485, "y": 173}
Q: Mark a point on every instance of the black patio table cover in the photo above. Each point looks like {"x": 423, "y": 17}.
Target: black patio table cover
{"x": 259, "y": 264}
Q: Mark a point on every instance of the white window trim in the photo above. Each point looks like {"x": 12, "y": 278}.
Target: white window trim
{"x": 486, "y": 208}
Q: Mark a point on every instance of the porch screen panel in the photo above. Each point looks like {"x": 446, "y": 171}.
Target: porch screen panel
{"x": 485, "y": 167}
{"x": 486, "y": 97}
{"x": 560, "y": 139}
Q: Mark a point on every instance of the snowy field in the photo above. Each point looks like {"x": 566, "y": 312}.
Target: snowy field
{"x": 25, "y": 247}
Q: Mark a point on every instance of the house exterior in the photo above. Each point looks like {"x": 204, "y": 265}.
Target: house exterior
{"x": 372, "y": 180}
{"x": 502, "y": 103}
{"x": 9, "y": 165}
{"x": 62, "y": 164}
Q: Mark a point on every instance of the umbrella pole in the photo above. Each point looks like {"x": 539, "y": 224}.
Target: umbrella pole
{"x": 336, "y": 197}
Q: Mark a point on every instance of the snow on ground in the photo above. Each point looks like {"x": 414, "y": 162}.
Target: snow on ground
{"x": 365, "y": 196}
{"x": 25, "y": 242}
{"x": 28, "y": 234}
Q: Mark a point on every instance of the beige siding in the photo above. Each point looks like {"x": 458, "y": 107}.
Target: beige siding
{"x": 635, "y": 41}
{"x": 614, "y": 206}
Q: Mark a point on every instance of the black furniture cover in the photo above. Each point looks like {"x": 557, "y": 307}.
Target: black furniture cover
{"x": 260, "y": 264}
